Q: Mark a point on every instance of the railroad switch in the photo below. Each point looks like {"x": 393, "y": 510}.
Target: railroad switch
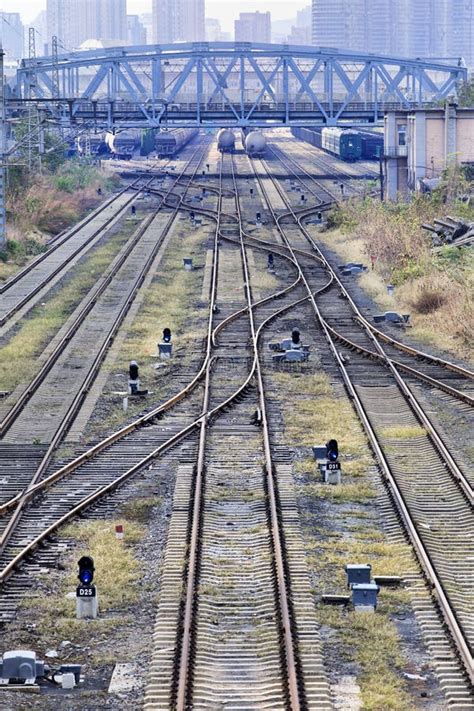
{"x": 20, "y": 667}
{"x": 352, "y": 268}
{"x": 393, "y": 317}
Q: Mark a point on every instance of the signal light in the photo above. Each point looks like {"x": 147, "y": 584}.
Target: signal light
{"x": 86, "y": 570}
{"x": 192, "y": 216}
{"x": 166, "y": 335}
{"x": 133, "y": 370}
{"x": 332, "y": 451}
{"x": 270, "y": 260}
{"x": 295, "y": 335}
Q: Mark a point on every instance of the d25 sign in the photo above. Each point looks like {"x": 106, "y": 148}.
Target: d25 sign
{"x": 85, "y": 591}
{"x": 333, "y": 466}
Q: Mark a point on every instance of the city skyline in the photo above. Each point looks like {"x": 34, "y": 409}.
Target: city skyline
{"x": 225, "y": 12}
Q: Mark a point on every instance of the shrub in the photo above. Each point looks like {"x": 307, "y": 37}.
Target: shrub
{"x": 428, "y": 301}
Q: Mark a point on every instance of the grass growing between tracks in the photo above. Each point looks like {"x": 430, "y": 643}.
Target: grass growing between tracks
{"x": 118, "y": 576}
{"x": 434, "y": 286}
{"x": 172, "y": 300}
{"x": 340, "y": 525}
{"x": 35, "y": 332}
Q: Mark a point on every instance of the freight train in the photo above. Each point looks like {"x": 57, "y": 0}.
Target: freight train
{"x": 254, "y": 143}
{"x": 168, "y": 143}
{"x": 123, "y": 144}
{"x": 226, "y": 141}
{"x": 347, "y": 144}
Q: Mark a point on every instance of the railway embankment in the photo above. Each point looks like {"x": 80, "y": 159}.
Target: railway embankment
{"x": 433, "y": 285}
{"x": 41, "y": 204}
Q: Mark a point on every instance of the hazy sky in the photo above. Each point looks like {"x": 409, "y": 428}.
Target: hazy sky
{"x": 225, "y": 10}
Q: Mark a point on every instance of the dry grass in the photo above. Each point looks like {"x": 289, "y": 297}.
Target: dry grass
{"x": 360, "y": 493}
{"x": 117, "y": 570}
{"x": 435, "y": 287}
{"x": 35, "y": 332}
{"x": 403, "y": 432}
{"x": 117, "y": 575}
{"x": 170, "y": 301}
{"x": 319, "y": 416}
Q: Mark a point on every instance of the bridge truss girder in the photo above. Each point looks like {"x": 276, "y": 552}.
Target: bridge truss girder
{"x": 234, "y": 84}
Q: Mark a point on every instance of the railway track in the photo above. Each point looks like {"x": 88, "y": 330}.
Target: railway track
{"x": 18, "y": 501}
{"x": 233, "y": 646}
{"x": 453, "y": 379}
{"x": 32, "y": 283}
{"x": 433, "y": 496}
{"x": 105, "y": 298}
{"x": 235, "y": 624}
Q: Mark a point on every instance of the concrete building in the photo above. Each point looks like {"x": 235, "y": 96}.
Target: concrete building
{"x": 300, "y": 35}
{"x": 136, "y": 32}
{"x": 75, "y": 21}
{"x": 12, "y": 35}
{"x": 412, "y": 28}
{"x": 253, "y": 27}
{"x": 146, "y": 19}
{"x": 178, "y": 21}
{"x": 422, "y": 143}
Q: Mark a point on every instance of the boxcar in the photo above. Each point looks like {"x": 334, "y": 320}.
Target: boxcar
{"x": 343, "y": 143}
{"x": 372, "y": 144}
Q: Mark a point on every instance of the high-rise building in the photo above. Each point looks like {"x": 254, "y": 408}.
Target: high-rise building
{"x": 407, "y": 28}
{"x": 75, "y": 21}
{"x": 300, "y": 35}
{"x": 147, "y": 21}
{"x": 12, "y": 34}
{"x": 459, "y": 16}
{"x": 136, "y": 32}
{"x": 253, "y": 27}
{"x": 178, "y": 21}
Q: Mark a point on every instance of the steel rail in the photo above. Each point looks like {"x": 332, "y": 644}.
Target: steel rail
{"x": 449, "y": 614}
{"x": 172, "y": 441}
{"x": 25, "y": 299}
{"x": 293, "y": 667}
{"x": 417, "y": 353}
{"x": 78, "y": 399}
{"x": 443, "y": 451}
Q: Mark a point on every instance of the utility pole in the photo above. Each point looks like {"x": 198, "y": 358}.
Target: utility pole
{"x": 3, "y": 221}
{"x": 382, "y": 187}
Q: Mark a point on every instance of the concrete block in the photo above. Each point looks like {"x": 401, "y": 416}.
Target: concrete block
{"x": 87, "y": 608}
{"x": 68, "y": 681}
{"x": 165, "y": 350}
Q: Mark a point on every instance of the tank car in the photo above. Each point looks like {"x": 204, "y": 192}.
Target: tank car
{"x": 255, "y": 143}
{"x": 168, "y": 143}
{"x": 225, "y": 140}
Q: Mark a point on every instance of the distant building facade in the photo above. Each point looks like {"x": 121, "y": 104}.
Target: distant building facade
{"x": 214, "y": 31}
{"x": 253, "y": 27}
{"x": 420, "y": 144}
{"x": 12, "y": 34}
{"x": 411, "y": 28}
{"x": 178, "y": 21}
{"x": 75, "y": 21}
{"x": 136, "y": 32}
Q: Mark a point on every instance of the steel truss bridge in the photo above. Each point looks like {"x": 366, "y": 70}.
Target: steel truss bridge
{"x": 212, "y": 85}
